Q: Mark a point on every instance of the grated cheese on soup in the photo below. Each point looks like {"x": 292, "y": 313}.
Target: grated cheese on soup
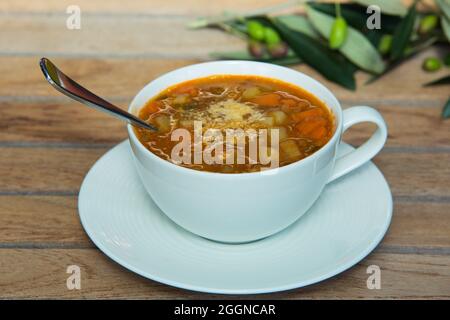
{"x": 232, "y": 110}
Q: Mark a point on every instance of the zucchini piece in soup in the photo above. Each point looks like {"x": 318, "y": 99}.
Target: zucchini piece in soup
{"x": 162, "y": 123}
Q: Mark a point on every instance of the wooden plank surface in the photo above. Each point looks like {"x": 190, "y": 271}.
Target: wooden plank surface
{"x": 51, "y": 221}
{"x": 192, "y": 8}
{"x": 117, "y": 36}
{"x": 152, "y": 7}
{"x": 117, "y": 78}
{"x": 64, "y": 121}
{"x": 41, "y": 221}
{"x": 102, "y": 279}
{"x": 48, "y": 143}
{"x": 38, "y": 169}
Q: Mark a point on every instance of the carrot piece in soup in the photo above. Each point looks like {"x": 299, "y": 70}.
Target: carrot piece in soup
{"x": 318, "y": 134}
{"x": 309, "y": 125}
{"x": 313, "y": 112}
{"x": 267, "y": 100}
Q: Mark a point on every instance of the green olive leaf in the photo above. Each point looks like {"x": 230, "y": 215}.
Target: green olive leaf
{"x": 446, "y": 110}
{"x": 228, "y": 16}
{"x": 299, "y": 24}
{"x": 444, "y": 5}
{"x": 440, "y": 81}
{"x": 445, "y": 23}
{"x": 403, "y": 33}
{"x": 356, "y": 47}
{"x": 394, "y": 7}
{"x": 290, "y": 59}
{"x": 318, "y": 56}
{"x": 356, "y": 17}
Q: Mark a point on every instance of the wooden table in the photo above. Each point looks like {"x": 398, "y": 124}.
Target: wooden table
{"x": 48, "y": 143}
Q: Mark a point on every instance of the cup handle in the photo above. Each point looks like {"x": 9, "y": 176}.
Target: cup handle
{"x": 366, "y": 151}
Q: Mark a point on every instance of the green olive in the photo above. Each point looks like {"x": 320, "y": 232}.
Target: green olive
{"x": 408, "y": 50}
{"x": 278, "y": 50}
{"x": 256, "y": 48}
{"x": 255, "y": 30}
{"x": 428, "y": 23}
{"x": 271, "y": 37}
{"x": 447, "y": 60}
{"x": 431, "y": 64}
{"x": 338, "y": 33}
{"x": 385, "y": 44}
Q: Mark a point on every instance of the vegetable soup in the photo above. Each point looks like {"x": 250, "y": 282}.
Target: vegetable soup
{"x": 247, "y": 103}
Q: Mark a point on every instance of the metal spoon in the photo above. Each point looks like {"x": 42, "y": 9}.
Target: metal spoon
{"x": 70, "y": 88}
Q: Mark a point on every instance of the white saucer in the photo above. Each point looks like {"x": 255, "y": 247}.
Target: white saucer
{"x": 344, "y": 225}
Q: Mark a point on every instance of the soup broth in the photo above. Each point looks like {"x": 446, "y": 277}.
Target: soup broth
{"x": 250, "y": 103}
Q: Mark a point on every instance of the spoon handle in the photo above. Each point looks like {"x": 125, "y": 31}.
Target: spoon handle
{"x": 72, "y": 89}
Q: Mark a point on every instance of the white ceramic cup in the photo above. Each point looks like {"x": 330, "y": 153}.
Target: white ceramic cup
{"x": 249, "y": 206}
